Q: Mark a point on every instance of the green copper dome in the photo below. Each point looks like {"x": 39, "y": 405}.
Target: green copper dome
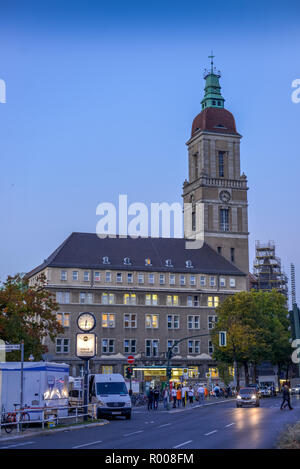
{"x": 212, "y": 96}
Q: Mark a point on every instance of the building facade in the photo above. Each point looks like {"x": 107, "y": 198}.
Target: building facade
{"x": 145, "y": 293}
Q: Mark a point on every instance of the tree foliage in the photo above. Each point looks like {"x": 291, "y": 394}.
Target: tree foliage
{"x": 257, "y": 328}
{"x": 27, "y": 312}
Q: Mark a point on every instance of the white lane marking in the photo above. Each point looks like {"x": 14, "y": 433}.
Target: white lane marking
{"x": 164, "y": 425}
{"x": 229, "y": 425}
{"x": 181, "y": 444}
{"x": 133, "y": 433}
{"x": 18, "y": 444}
{"x": 210, "y": 433}
{"x": 87, "y": 444}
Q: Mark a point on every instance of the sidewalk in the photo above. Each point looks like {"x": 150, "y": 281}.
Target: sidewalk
{"x": 47, "y": 431}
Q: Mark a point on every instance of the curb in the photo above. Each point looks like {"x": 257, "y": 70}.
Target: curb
{"x": 198, "y": 406}
{"x": 55, "y": 430}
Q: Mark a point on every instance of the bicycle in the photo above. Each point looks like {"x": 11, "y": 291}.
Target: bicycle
{"x": 12, "y": 419}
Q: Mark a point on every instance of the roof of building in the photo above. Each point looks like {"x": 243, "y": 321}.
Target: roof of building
{"x": 87, "y": 250}
{"x": 214, "y": 119}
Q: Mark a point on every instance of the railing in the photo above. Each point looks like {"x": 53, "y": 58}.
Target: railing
{"x": 20, "y": 419}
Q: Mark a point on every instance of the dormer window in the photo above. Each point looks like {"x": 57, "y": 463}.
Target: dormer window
{"x": 105, "y": 260}
{"x": 169, "y": 263}
{"x": 148, "y": 261}
{"x": 189, "y": 264}
{"x": 127, "y": 261}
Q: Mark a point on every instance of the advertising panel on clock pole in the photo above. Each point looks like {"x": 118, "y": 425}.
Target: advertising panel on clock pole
{"x": 86, "y": 345}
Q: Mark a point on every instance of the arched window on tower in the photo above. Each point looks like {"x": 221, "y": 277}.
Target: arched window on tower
{"x": 196, "y": 172}
{"x": 192, "y": 201}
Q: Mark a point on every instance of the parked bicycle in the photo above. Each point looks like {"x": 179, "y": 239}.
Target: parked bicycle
{"x": 10, "y": 420}
{"x": 138, "y": 399}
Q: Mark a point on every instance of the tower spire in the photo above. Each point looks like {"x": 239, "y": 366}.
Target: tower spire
{"x": 212, "y": 96}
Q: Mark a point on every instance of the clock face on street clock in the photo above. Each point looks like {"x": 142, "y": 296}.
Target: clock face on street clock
{"x": 86, "y": 322}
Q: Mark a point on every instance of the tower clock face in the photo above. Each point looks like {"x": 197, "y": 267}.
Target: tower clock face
{"x": 86, "y": 322}
{"x": 225, "y": 196}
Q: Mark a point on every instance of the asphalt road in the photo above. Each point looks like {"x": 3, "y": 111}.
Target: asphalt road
{"x": 217, "y": 426}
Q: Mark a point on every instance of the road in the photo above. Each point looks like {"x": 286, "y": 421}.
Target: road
{"x": 217, "y": 426}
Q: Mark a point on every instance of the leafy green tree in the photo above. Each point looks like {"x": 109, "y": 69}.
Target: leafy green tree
{"x": 27, "y": 312}
{"x": 257, "y": 329}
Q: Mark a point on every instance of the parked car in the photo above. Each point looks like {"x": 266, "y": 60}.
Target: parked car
{"x": 295, "y": 389}
{"x": 247, "y": 397}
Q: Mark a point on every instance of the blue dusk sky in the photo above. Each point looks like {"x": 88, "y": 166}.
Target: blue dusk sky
{"x": 100, "y": 101}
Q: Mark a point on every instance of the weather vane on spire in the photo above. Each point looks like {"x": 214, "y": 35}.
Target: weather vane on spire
{"x": 213, "y": 70}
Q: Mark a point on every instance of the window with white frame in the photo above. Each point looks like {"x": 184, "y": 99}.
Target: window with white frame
{"x": 222, "y": 282}
{"x": 119, "y": 277}
{"x": 172, "y": 300}
{"x": 108, "y": 345}
{"x": 108, "y": 298}
{"x": 213, "y": 301}
{"x": 212, "y": 321}
{"x": 141, "y": 278}
{"x": 194, "y": 346}
{"x": 97, "y": 276}
{"x": 130, "y": 278}
{"x": 224, "y": 219}
{"x": 151, "y": 347}
{"x": 129, "y": 299}
{"x": 182, "y": 280}
{"x": 129, "y": 321}
{"x": 170, "y": 344}
{"x": 151, "y": 279}
{"x": 63, "y": 297}
{"x": 86, "y": 276}
{"x": 162, "y": 279}
{"x": 173, "y": 321}
{"x": 193, "y": 322}
{"x": 192, "y": 280}
{"x": 232, "y": 282}
{"x": 63, "y": 275}
{"x": 202, "y": 280}
{"x": 129, "y": 345}
{"x": 193, "y": 300}
{"x": 212, "y": 281}
{"x": 210, "y": 347}
{"x": 151, "y": 300}
{"x": 108, "y": 320}
{"x": 151, "y": 321}
{"x": 63, "y": 319}
{"x": 108, "y": 277}
{"x": 86, "y": 298}
{"x": 75, "y": 275}
{"x": 62, "y": 346}
{"x": 172, "y": 279}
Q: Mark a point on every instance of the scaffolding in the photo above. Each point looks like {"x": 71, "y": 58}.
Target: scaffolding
{"x": 267, "y": 270}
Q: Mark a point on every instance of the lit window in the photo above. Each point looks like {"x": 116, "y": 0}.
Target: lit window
{"x": 107, "y": 369}
{"x": 63, "y": 319}
{"x": 151, "y": 321}
{"x": 213, "y": 301}
{"x": 108, "y": 298}
{"x": 172, "y": 300}
{"x": 108, "y": 320}
{"x": 148, "y": 261}
{"x": 129, "y": 299}
{"x": 151, "y": 300}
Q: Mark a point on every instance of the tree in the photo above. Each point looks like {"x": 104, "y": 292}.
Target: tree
{"x": 27, "y": 312}
{"x": 257, "y": 329}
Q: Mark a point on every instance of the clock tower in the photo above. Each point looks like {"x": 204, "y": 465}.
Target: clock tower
{"x": 215, "y": 194}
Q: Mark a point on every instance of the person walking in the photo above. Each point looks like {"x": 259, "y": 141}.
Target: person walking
{"x": 286, "y": 398}
{"x": 191, "y": 395}
{"x": 206, "y": 393}
{"x": 156, "y": 398}
{"x": 200, "y": 392}
{"x": 174, "y": 397}
{"x": 217, "y": 390}
{"x": 178, "y": 396}
{"x": 183, "y": 393}
{"x": 166, "y": 397}
{"x": 150, "y": 399}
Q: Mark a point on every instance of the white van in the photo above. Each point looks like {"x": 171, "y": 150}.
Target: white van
{"x": 111, "y": 395}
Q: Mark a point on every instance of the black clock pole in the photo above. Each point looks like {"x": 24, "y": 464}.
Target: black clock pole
{"x": 85, "y": 389}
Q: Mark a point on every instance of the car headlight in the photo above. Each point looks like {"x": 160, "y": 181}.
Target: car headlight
{"x": 253, "y": 396}
{"x": 239, "y": 397}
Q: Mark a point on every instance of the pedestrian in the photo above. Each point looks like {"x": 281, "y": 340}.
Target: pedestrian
{"x": 150, "y": 399}
{"x": 183, "y": 393}
{"x": 286, "y": 398}
{"x": 191, "y": 395}
{"x": 217, "y": 390}
{"x": 156, "y": 398}
{"x": 178, "y": 396}
{"x": 201, "y": 392}
{"x": 166, "y": 397}
{"x": 174, "y": 397}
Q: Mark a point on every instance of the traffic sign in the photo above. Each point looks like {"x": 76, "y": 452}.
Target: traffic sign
{"x": 207, "y": 375}
{"x": 130, "y": 359}
{"x": 10, "y": 347}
